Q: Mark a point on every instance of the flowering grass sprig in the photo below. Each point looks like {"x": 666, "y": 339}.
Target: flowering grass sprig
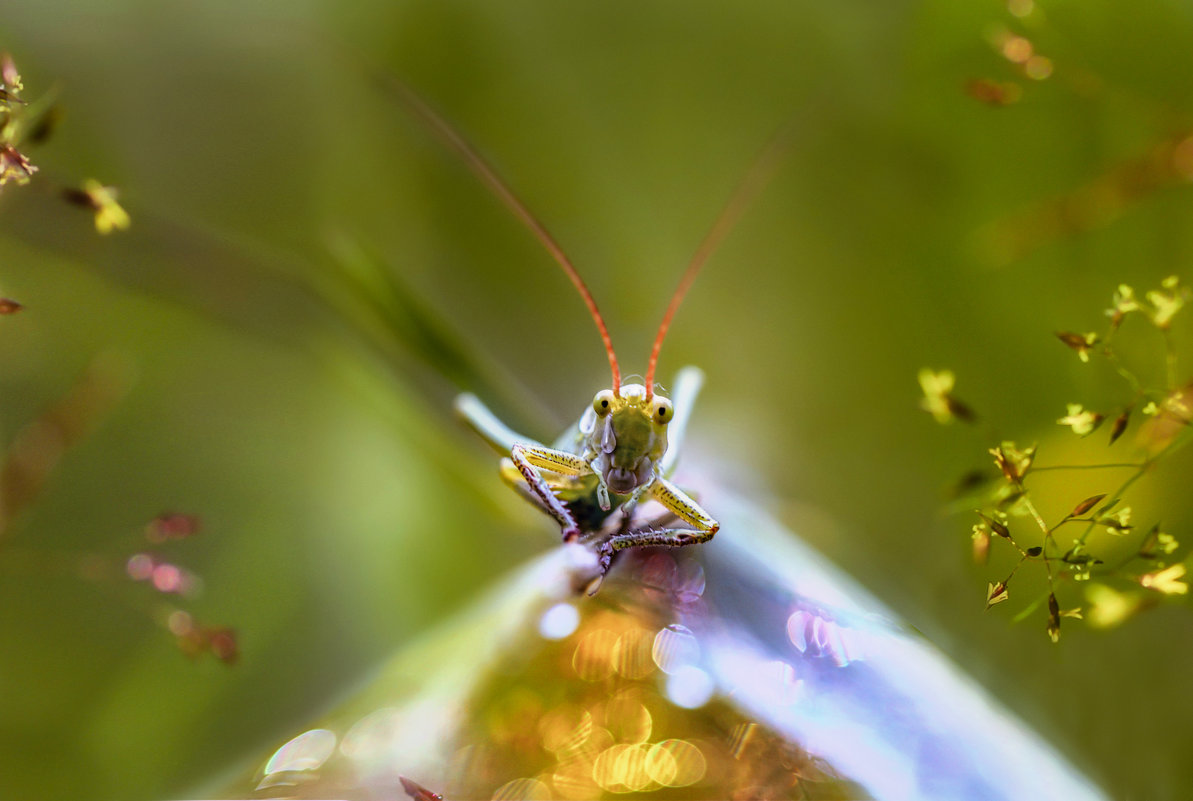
{"x": 23, "y": 122}
{"x": 1112, "y": 589}
{"x": 16, "y": 119}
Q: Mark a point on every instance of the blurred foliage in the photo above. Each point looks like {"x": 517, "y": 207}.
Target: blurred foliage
{"x": 949, "y": 200}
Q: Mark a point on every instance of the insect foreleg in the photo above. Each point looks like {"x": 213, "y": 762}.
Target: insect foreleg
{"x": 527, "y": 460}
{"x": 531, "y": 460}
{"x": 703, "y": 526}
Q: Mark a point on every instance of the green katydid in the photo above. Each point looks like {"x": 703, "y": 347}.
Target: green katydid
{"x": 623, "y": 449}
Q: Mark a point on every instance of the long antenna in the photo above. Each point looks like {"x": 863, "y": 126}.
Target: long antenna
{"x": 441, "y": 128}
{"x": 757, "y": 176}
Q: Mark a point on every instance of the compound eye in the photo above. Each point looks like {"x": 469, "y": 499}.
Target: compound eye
{"x": 661, "y": 410}
{"x": 602, "y": 404}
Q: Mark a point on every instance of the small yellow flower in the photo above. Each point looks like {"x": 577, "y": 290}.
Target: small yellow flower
{"x": 937, "y": 386}
{"x": 1012, "y": 462}
{"x": 1177, "y": 404}
{"x": 1124, "y": 304}
{"x": 1117, "y": 523}
{"x": 1109, "y": 607}
{"x": 1166, "y": 305}
{"x": 1082, "y": 421}
{"x": 1124, "y": 300}
{"x": 1162, "y": 304}
{"x": 1167, "y": 580}
{"x": 109, "y": 215}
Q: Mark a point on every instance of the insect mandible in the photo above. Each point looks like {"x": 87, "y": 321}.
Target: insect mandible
{"x": 623, "y": 449}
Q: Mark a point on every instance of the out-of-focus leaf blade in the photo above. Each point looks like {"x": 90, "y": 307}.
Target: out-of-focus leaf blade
{"x": 755, "y": 630}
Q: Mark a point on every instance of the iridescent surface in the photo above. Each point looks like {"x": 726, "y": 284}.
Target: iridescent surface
{"x": 702, "y": 673}
{"x": 514, "y": 705}
{"x": 816, "y": 657}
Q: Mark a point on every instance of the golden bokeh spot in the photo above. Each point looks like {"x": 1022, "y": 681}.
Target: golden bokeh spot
{"x": 1038, "y": 68}
{"x": 1016, "y": 49}
{"x": 688, "y": 761}
{"x": 598, "y": 741}
{"x": 661, "y": 765}
{"x": 631, "y": 765}
{"x": 573, "y": 779}
{"x": 578, "y": 719}
{"x": 605, "y": 769}
{"x": 632, "y": 654}
{"x": 593, "y": 657}
{"x": 565, "y": 730}
{"x": 523, "y": 790}
{"x": 622, "y": 769}
{"x": 627, "y": 719}
{"x": 1021, "y": 8}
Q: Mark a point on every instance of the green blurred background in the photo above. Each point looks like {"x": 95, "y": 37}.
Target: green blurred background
{"x": 345, "y": 511}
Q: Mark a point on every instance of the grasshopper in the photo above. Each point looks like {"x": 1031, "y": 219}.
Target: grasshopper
{"x": 623, "y": 449}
